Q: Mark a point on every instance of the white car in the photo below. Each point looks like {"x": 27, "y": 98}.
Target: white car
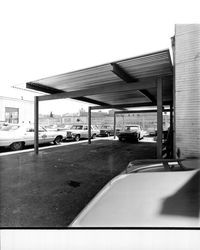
{"x": 78, "y": 132}
{"x": 150, "y": 193}
{"x": 16, "y": 136}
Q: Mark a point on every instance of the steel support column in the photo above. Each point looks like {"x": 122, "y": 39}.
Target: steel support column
{"x": 114, "y": 125}
{"x": 171, "y": 116}
{"x": 159, "y": 118}
{"x": 36, "y": 123}
{"x": 89, "y": 125}
{"x": 171, "y": 131}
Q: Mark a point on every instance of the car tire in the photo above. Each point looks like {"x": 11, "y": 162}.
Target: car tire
{"x": 93, "y": 136}
{"x": 17, "y": 146}
{"x": 77, "y": 138}
{"x": 57, "y": 140}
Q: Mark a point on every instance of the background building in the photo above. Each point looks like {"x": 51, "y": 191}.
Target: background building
{"x": 14, "y": 110}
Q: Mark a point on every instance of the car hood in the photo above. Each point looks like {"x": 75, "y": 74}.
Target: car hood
{"x": 160, "y": 199}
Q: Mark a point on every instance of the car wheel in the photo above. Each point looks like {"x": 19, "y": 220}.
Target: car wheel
{"x": 93, "y": 136}
{"x": 17, "y": 146}
{"x": 77, "y": 138}
{"x": 57, "y": 140}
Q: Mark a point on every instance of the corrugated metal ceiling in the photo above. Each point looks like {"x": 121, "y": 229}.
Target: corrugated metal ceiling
{"x": 126, "y": 81}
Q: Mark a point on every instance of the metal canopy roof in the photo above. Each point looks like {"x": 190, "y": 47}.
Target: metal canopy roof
{"x": 126, "y": 82}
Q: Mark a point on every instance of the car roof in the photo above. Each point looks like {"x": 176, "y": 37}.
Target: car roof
{"x": 159, "y": 199}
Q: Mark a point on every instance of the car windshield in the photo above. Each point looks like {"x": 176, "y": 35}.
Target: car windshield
{"x": 77, "y": 127}
{"x": 131, "y": 128}
{"x": 106, "y": 127}
{"x": 9, "y": 128}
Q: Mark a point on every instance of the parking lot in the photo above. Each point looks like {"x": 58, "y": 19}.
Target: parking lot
{"x": 50, "y": 189}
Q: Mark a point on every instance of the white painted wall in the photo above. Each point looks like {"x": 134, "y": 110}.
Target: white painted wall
{"x": 26, "y": 108}
{"x": 187, "y": 89}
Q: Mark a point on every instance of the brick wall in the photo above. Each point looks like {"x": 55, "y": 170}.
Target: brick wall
{"x": 187, "y": 89}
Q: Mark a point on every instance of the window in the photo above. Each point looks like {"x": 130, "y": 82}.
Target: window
{"x": 11, "y": 115}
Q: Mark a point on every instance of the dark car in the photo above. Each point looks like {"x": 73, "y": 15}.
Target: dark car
{"x": 131, "y": 133}
{"x": 106, "y": 131}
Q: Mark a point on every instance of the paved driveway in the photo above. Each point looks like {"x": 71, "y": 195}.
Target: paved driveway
{"x": 50, "y": 189}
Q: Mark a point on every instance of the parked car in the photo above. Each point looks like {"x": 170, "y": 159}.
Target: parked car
{"x": 64, "y": 127}
{"x": 16, "y": 136}
{"x": 149, "y": 193}
{"x": 131, "y": 133}
{"x": 2, "y": 124}
{"x": 78, "y": 132}
{"x": 152, "y": 131}
{"x": 106, "y": 130}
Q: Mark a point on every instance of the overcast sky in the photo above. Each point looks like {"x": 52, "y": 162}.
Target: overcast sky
{"x": 44, "y": 38}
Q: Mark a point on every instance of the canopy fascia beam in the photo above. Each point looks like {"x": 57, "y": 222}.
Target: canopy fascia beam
{"x": 131, "y": 105}
{"x": 58, "y": 94}
{"x": 42, "y": 88}
{"x": 140, "y": 111}
{"x": 117, "y": 70}
{"x": 119, "y": 106}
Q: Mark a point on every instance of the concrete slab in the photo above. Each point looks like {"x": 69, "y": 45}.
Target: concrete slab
{"x": 50, "y": 189}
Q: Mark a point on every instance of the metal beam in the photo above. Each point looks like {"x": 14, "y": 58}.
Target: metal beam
{"x": 89, "y": 100}
{"x": 148, "y": 95}
{"x": 42, "y": 88}
{"x": 130, "y": 105}
{"x": 140, "y": 111}
{"x": 52, "y": 91}
{"x": 128, "y": 79}
{"x": 159, "y": 118}
{"x": 36, "y": 123}
{"x": 117, "y": 70}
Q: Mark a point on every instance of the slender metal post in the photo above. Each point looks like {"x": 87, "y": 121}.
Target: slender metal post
{"x": 89, "y": 125}
{"x": 36, "y": 123}
{"x": 114, "y": 125}
{"x": 159, "y": 118}
{"x": 171, "y": 116}
{"x": 171, "y": 131}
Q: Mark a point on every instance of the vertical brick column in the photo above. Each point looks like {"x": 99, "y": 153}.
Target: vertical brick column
{"x": 187, "y": 90}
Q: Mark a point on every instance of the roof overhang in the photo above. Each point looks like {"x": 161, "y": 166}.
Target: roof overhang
{"x": 126, "y": 83}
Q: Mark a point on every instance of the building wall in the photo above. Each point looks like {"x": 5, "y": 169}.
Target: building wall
{"x": 26, "y": 108}
{"x": 187, "y": 90}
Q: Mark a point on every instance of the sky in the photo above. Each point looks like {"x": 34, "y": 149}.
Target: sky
{"x": 42, "y": 38}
